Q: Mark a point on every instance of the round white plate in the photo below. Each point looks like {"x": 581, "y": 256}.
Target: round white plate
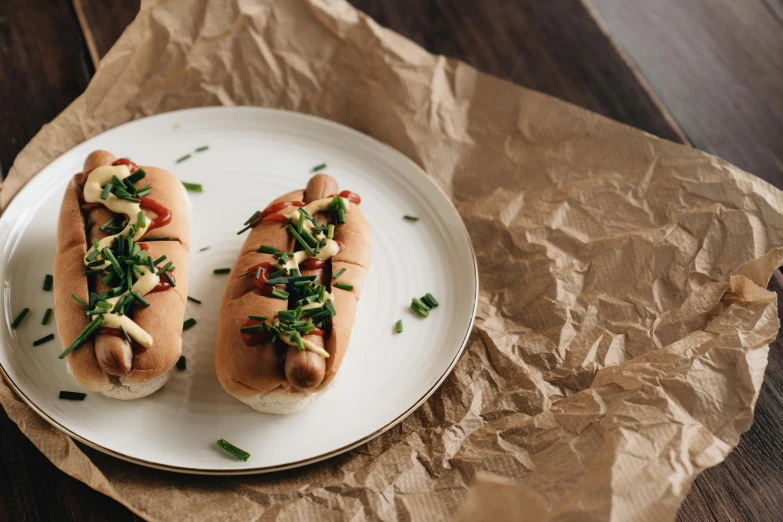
{"x": 254, "y": 155}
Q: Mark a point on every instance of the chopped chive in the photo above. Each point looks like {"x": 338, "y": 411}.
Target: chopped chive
{"x": 107, "y": 254}
{"x": 310, "y": 239}
{"x": 138, "y": 176}
{"x": 250, "y": 225}
{"x": 142, "y": 219}
{"x": 153, "y": 269}
{"x": 19, "y": 318}
{"x": 189, "y": 323}
{"x": 202, "y": 148}
{"x": 338, "y": 273}
{"x": 221, "y": 271}
{"x": 148, "y": 239}
{"x": 72, "y": 396}
{"x": 194, "y": 300}
{"x": 253, "y": 329}
{"x": 47, "y": 284}
{"x": 106, "y": 191}
{"x": 420, "y": 308}
{"x": 398, "y": 326}
{"x": 258, "y": 273}
{"x": 81, "y": 188}
{"x": 139, "y": 299}
{"x": 89, "y": 224}
{"x": 430, "y": 301}
{"x": 266, "y": 249}
{"x": 278, "y": 273}
{"x": 181, "y": 364}
{"x": 170, "y": 279}
{"x": 238, "y": 453}
{"x": 343, "y": 286}
{"x": 301, "y": 241}
{"x": 183, "y": 158}
{"x": 166, "y": 267}
{"x": 89, "y": 330}
{"x": 42, "y": 340}
{"x": 125, "y": 334}
{"x": 251, "y": 218}
{"x": 93, "y": 255}
{"x": 341, "y": 216}
{"x": 202, "y": 249}
{"x": 418, "y": 303}
{"x": 300, "y": 225}
{"x": 193, "y": 187}
{"x": 318, "y": 167}
{"x": 410, "y": 218}
{"x": 280, "y": 294}
{"x": 103, "y": 304}
{"x": 329, "y": 307}
{"x": 143, "y": 193}
{"x": 105, "y": 226}
{"x": 76, "y": 298}
{"x": 46, "y": 316}
{"x": 261, "y": 318}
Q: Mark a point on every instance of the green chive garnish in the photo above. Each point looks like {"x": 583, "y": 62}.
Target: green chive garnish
{"x": 103, "y": 304}
{"x": 301, "y": 241}
{"x": 189, "y": 323}
{"x": 258, "y": 273}
{"x": 253, "y": 217}
{"x": 280, "y": 294}
{"x": 76, "y": 298}
{"x": 42, "y": 340}
{"x": 338, "y": 273}
{"x": 183, "y": 158}
{"x": 46, "y": 316}
{"x": 143, "y": 302}
{"x": 343, "y": 286}
{"x": 250, "y": 225}
{"x": 193, "y": 187}
{"x": 169, "y": 279}
{"x": 181, "y": 364}
{"x": 202, "y": 249}
{"x": 47, "y": 284}
{"x": 221, "y": 271}
{"x": 341, "y": 216}
{"x": 81, "y": 188}
{"x": 194, "y": 300}
{"x": 429, "y": 300}
{"x": 261, "y": 318}
{"x": 253, "y": 329}
{"x": 89, "y": 330}
{"x": 125, "y": 334}
{"x": 166, "y": 267}
{"x": 318, "y": 167}
{"x": 410, "y": 218}
{"x": 142, "y": 220}
{"x": 419, "y": 307}
{"x": 105, "y": 226}
{"x": 72, "y": 396}
{"x": 106, "y": 191}
{"x": 330, "y": 231}
{"x": 238, "y": 453}
{"x": 266, "y": 249}
{"x": 148, "y": 239}
{"x": 19, "y": 318}
{"x": 202, "y": 148}
{"x": 138, "y": 176}
{"x": 398, "y": 326}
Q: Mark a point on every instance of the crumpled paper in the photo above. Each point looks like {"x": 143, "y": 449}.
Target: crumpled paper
{"x": 623, "y": 323}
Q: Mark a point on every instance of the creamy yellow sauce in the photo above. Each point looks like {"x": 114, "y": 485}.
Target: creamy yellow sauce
{"x": 330, "y": 249}
{"x": 93, "y": 188}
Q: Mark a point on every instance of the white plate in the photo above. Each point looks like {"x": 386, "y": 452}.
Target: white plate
{"x": 254, "y": 155}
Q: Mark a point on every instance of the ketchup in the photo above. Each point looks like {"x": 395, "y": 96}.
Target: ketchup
{"x": 255, "y": 338}
{"x": 164, "y": 214}
{"x": 353, "y": 197}
{"x": 266, "y": 269}
{"x": 317, "y": 331}
{"x": 164, "y": 282}
{"x": 274, "y": 218}
{"x": 312, "y": 264}
{"x": 125, "y": 161}
{"x": 272, "y": 212}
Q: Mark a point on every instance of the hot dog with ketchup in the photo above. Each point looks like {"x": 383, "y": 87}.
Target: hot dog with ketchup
{"x": 289, "y": 308}
{"x": 120, "y": 275}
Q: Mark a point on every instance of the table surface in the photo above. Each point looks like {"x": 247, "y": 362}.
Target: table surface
{"x": 703, "y": 72}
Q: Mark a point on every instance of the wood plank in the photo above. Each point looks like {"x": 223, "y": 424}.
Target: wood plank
{"x": 43, "y": 67}
{"x": 717, "y": 65}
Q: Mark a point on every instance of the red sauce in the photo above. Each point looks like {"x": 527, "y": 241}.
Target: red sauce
{"x": 313, "y": 264}
{"x": 274, "y": 218}
{"x": 125, "y": 161}
{"x": 353, "y": 197}
{"x": 163, "y": 214}
{"x": 255, "y": 338}
{"x": 266, "y": 269}
{"x": 340, "y": 246}
{"x": 317, "y": 331}
{"x": 164, "y": 284}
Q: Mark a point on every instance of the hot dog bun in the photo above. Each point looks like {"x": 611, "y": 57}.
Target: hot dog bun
{"x": 106, "y": 363}
{"x": 278, "y": 378}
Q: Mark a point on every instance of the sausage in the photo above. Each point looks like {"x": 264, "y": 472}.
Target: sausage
{"x": 306, "y": 369}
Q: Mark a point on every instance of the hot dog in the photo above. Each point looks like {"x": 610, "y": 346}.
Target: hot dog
{"x": 119, "y": 307}
{"x": 284, "y": 324}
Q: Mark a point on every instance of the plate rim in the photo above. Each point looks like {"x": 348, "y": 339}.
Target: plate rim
{"x": 311, "y": 460}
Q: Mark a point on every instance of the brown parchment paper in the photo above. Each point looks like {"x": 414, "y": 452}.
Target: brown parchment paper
{"x": 623, "y": 326}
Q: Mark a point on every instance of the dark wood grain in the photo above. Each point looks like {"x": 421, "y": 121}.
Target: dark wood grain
{"x": 557, "y": 47}
{"x": 717, "y": 65}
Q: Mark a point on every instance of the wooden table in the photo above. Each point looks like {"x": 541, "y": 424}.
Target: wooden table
{"x": 704, "y": 72}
